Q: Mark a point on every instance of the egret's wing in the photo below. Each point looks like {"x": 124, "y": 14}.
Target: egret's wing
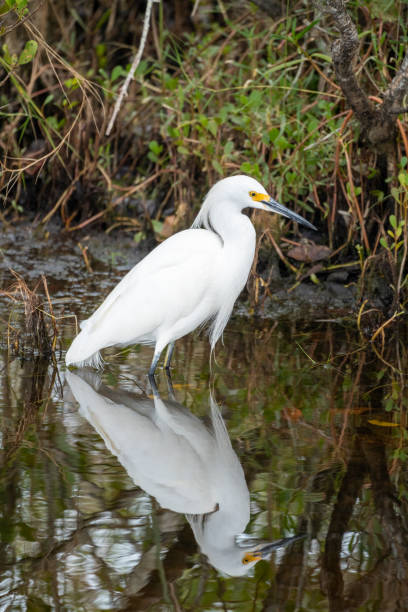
{"x": 159, "y": 259}
{"x": 166, "y": 464}
{"x": 168, "y": 284}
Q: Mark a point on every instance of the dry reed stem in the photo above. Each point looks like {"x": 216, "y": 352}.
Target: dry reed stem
{"x": 129, "y": 191}
{"x": 403, "y": 136}
{"x": 385, "y": 324}
{"x": 279, "y": 252}
{"x": 53, "y": 318}
{"x": 404, "y": 256}
{"x": 34, "y": 321}
{"x": 355, "y": 200}
{"x": 360, "y": 314}
{"x": 63, "y": 198}
{"x": 336, "y": 173}
{"x": 84, "y": 250}
{"x": 383, "y": 360}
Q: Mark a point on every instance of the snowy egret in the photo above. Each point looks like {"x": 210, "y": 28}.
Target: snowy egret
{"x": 191, "y": 278}
{"x": 187, "y": 467}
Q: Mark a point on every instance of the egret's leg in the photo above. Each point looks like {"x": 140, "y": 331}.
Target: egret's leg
{"x": 154, "y": 363}
{"x": 170, "y": 386}
{"x": 169, "y": 354}
{"x": 153, "y": 385}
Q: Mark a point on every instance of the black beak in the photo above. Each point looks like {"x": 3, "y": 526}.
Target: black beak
{"x": 265, "y": 549}
{"x": 274, "y": 206}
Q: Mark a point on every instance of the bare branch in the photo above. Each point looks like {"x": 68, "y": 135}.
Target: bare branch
{"x": 397, "y": 90}
{"x": 344, "y": 54}
{"x": 135, "y": 63}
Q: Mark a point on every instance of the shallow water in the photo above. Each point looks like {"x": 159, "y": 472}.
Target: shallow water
{"x": 119, "y": 497}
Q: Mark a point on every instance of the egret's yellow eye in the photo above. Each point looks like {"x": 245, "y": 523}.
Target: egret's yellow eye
{"x": 249, "y": 557}
{"x": 258, "y": 197}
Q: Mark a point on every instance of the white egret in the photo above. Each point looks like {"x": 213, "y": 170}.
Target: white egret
{"x": 187, "y": 467}
{"x": 191, "y": 278}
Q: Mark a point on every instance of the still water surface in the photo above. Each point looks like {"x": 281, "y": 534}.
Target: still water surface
{"x": 115, "y": 496}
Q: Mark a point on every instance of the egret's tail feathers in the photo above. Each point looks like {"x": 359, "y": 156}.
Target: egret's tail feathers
{"x": 81, "y": 353}
{"x": 219, "y": 322}
{"x": 94, "y": 361}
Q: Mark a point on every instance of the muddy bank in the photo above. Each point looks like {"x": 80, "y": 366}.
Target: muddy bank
{"x": 32, "y": 252}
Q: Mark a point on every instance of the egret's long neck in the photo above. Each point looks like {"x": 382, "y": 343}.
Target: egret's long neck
{"x": 235, "y": 229}
{"x": 226, "y": 220}
{"x": 238, "y": 238}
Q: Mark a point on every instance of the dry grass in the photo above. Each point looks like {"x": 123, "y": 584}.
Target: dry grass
{"x": 36, "y": 331}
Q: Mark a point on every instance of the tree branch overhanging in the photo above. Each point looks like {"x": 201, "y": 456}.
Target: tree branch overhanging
{"x": 344, "y": 55}
{"x": 378, "y": 124}
{"x": 397, "y": 89}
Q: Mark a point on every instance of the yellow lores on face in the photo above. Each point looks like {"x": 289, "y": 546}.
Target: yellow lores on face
{"x": 251, "y": 556}
{"x": 258, "y": 197}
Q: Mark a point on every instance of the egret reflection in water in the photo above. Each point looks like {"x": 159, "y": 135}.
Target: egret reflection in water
{"x": 173, "y": 456}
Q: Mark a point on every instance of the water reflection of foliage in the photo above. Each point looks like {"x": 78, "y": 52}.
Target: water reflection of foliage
{"x": 336, "y": 391}
{"x": 365, "y": 391}
{"x": 310, "y": 412}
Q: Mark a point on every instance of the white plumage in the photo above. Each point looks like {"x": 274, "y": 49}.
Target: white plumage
{"x": 173, "y": 456}
{"x": 193, "y": 277}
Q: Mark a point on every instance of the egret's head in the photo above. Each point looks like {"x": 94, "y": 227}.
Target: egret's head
{"x": 238, "y": 560}
{"x": 246, "y": 192}
{"x": 250, "y": 558}
{"x": 263, "y": 551}
{"x": 252, "y": 555}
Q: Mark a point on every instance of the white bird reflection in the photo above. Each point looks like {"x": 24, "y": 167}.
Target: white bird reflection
{"x": 187, "y": 467}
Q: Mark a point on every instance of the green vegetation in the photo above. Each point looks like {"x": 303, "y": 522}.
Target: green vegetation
{"x": 305, "y": 419}
{"x": 228, "y": 90}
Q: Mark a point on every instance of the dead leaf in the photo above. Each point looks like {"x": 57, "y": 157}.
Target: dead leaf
{"x": 292, "y": 414}
{"x": 168, "y": 226}
{"x": 383, "y": 423}
{"x": 309, "y": 252}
